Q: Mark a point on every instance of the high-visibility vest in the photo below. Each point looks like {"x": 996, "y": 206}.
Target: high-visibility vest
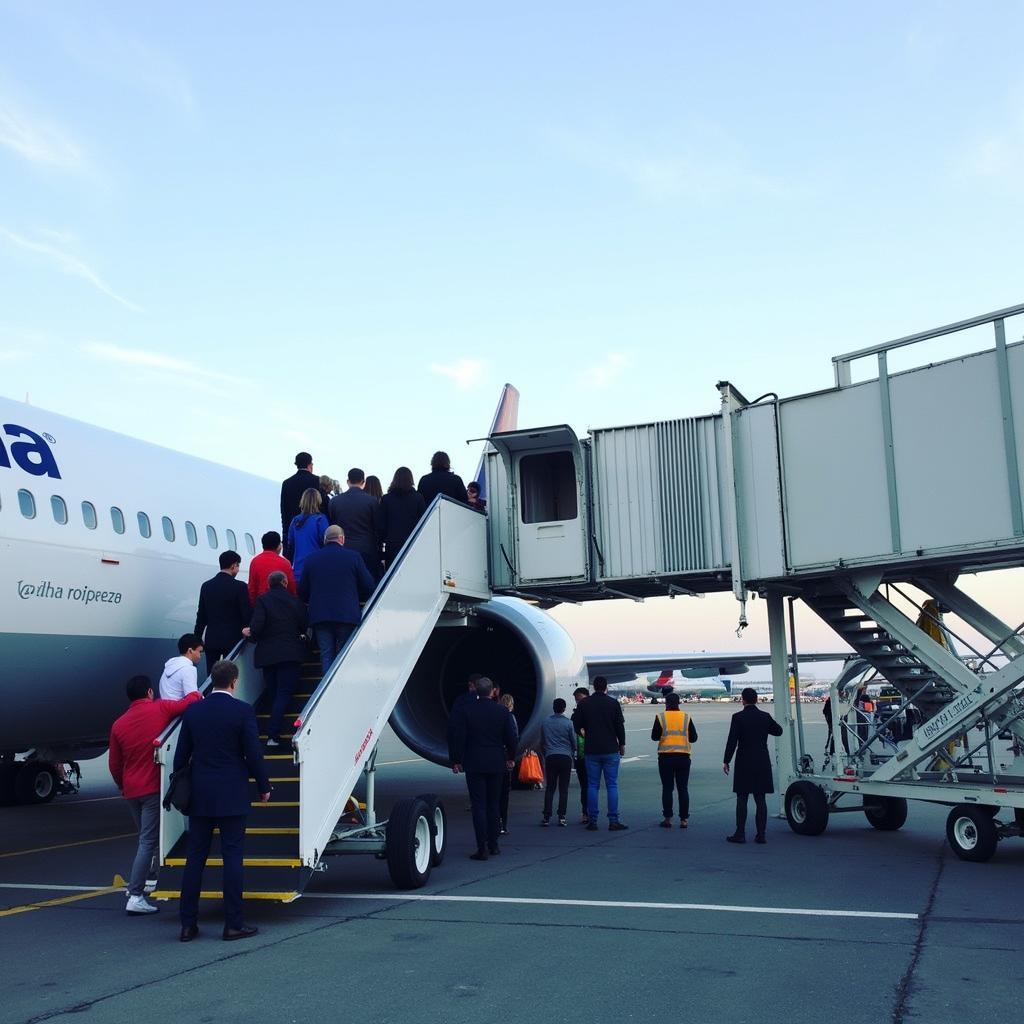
{"x": 675, "y": 732}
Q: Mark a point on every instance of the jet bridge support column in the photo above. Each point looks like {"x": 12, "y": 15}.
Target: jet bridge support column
{"x": 786, "y": 757}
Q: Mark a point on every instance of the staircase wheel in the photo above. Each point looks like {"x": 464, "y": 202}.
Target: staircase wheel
{"x": 886, "y": 813}
{"x": 408, "y": 844}
{"x": 438, "y": 827}
{"x": 35, "y": 783}
{"x": 806, "y": 808}
{"x": 971, "y": 832}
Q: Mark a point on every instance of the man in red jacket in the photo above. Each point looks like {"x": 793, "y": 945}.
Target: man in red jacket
{"x": 138, "y": 776}
{"x": 267, "y": 561}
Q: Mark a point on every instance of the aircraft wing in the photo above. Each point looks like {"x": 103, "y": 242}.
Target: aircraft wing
{"x": 619, "y": 668}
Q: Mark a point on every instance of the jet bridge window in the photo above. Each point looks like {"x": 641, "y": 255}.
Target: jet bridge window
{"x": 59, "y": 508}
{"x": 547, "y": 483}
{"x": 27, "y": 504}
{"x": 117, "y": 519}
{"x": 144, "y": 525}
{"x": 168, "y": 528}
{"x": 232, "y": 540}
{"x": 190, "y": 533}
{"x": 89, "y": 515}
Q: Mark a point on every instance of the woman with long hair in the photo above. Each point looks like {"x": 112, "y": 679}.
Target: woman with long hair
{"x": 398, "y": 513}
{"x": 372, "y": 486}
{"x": 307, "y": 529}
{"x": 506, "y": 780}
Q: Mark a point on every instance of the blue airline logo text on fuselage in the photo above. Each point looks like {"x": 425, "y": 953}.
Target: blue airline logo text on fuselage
{"x": 32, "y": 455}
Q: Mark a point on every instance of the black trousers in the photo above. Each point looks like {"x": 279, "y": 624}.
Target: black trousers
{"x": 581, "y": 775}
{"x": 484, "y": 793}
{"x": 212, "y": 657}
{"x": 506, "y": 790}
{"x": 557, "y": 772}
{"x": 232, "y": 840}
{"x": 760, "y": 812}
{"x": 674, "y": 770}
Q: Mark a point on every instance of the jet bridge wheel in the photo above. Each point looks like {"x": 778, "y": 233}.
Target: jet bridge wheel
{"x": 971, "y": 832}
{"x": 35, "y": 783}
{"x": 408, "y": 844}
{"x": 438, "y": 828}
{"x": 886, "y": 813}
{"x": 806, "y": 808}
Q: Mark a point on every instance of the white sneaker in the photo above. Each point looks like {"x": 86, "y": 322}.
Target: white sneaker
{"x": 140, "y": 905}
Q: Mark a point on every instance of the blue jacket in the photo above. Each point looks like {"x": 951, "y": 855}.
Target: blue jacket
{"x": 219, "y": 734}
{"x": 483, "y": 736}
{"x": 305, "y": 535}
{"x": 333, "y": 582}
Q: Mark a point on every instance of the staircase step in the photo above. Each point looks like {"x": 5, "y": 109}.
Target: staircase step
{"x": 247, "y": 894}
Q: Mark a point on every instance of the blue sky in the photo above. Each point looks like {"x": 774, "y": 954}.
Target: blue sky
{"x": 238, "y": 230}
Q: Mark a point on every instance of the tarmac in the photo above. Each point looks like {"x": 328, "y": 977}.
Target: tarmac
{"x": 565, "y": 925}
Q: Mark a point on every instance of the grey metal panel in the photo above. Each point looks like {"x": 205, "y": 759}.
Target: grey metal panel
{"x": 950, "y": 455}
{"x": 499, "y": 524}
{"x": 762, "y": 548}
{"x": 837, "y": 504}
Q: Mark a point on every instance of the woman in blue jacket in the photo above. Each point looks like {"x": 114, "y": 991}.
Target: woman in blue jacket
{"x": 307, "y": 529}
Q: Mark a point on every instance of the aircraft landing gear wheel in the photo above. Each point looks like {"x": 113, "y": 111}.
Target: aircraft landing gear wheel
{"x": 886, "y": 813}
{"x": 35, "y": 783}
{"x": 972, "y": 833}
{"x": 438, "y": 828}
{"x": 8, "y": 775}
{"x": 408, "y": 844}
{"x": 806, "y": 808}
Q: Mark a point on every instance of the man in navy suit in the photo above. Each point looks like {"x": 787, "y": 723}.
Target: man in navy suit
{"x": 223, "y": 744}
{"x": 334, "y": 581}
{"x": 354, "y": 511}
{"x": 482, "y": 742}
{"x": 223, "y": 610}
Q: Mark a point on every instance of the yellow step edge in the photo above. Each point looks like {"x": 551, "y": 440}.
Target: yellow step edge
{"x": 278, "y": 897}
{"x": 283, "y": 778}
{"x": 248, "y": 862}
{"x": 281, "y": 803}
{"x": 269, "y": 831}
{"x": 277, "y": 757}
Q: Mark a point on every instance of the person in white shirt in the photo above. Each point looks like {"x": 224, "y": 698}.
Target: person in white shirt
{"x": 180, "y": 677}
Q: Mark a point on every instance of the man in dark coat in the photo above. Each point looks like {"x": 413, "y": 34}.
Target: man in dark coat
{"x": 482, "y": 742}
{"x": 293, "y": 488}
{"x": 441, "y": 480}
{"x": 220, "y": 738}
{"x": 599, "y": 720}
{"x": 223, "y": 610}
{"x": 334, "y": 580}
{"x": 278, "y": 627}
{"x": 354, "y": 510}
{"x": 748, "y": 740}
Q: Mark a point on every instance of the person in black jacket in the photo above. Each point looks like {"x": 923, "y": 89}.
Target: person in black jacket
{"x": 292, "y": 490}
{"x": 483, "y": 743}
{"x": 355, "y": 512}
{"x": 604, "y": 742}
{"x": 748, "y": 740}
{"x": 278, "y": 626}
{"x": 223, "y": 610}
{"x": 398, "y": 513}
{"x": 441, "y": 480}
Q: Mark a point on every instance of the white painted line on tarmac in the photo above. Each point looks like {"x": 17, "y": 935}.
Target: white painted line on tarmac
{"x": 408, "y": 760}
{"x": 638, "y": 757}
{"x": 47, "y": 887}
{"x": 611, "y": 904}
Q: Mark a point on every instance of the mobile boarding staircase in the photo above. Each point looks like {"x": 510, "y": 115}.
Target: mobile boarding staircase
{"x": 844, "y": 499}
{"x": 312, "y": 813}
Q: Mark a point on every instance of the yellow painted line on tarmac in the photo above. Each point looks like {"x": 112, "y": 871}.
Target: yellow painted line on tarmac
{"x": 116, "y": 886}
{"x": 65, "y": 846}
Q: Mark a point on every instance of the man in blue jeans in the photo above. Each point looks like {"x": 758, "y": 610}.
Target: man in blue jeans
{"x": 604, "y": 742}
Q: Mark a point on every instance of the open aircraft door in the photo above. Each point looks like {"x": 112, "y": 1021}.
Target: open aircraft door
{"x": 546, "y": 510}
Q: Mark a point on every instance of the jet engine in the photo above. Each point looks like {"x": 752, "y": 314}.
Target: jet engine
{"x": 519, "y": 647}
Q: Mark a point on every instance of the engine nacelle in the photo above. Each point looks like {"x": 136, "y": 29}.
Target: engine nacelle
{"x": 519, "y": 647}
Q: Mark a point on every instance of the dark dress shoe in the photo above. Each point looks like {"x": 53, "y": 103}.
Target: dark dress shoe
{"x": 617, "y": 826}
{"x": 592, "y": 826}
{"x": 479, "y": 855}
{"x": 760, "y": 839}
{"x": 245, "y": 932}
{"x": 494, "y": 850}
{"x": 188, "y": 932}
{"x": 735, "y": 839}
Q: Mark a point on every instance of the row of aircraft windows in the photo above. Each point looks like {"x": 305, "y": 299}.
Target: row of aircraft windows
{"x": 59, "y": 508}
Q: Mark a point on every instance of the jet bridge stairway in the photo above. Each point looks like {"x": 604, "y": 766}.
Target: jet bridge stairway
{"x": 441, "y": 571}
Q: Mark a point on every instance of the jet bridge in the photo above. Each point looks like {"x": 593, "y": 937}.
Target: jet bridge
{"x": 843, "y": 498}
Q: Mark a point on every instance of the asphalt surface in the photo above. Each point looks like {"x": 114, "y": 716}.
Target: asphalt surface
{"x": 725, "y": 946}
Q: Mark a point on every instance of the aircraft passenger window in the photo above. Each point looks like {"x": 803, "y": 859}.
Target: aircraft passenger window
{"x": 250, "y": 544}
{"x": 117, "y": 520}
{"x": 60, "y": 510}
{"x": 548, "y": 486}
{"x": 27, "y": 504}
{"x": 168, "y": 529}
{"x": 144, "y": 528}
{"x": 190, "y": 533}
{"x": 211, "y": 536}
{"x": 232, "y": 539}
{"x": 89, "y": 515}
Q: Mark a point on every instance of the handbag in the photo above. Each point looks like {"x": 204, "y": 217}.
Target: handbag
{"x": 179, "y": 790}
{"x": 530, "y": 770}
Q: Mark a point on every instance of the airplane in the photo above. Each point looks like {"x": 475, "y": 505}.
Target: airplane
{"x": 105, "y": 541}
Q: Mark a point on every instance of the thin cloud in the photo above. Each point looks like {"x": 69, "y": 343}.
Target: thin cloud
{"x": 68, "y": 264}
{"x": 158, "y": 361}
{"x": 35, "y": 139}
{"x": 465, "y": 373}
{"x": 996, "y": 156}
{"x": 605, "y": 373}
{"x": 12, "y": 355}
